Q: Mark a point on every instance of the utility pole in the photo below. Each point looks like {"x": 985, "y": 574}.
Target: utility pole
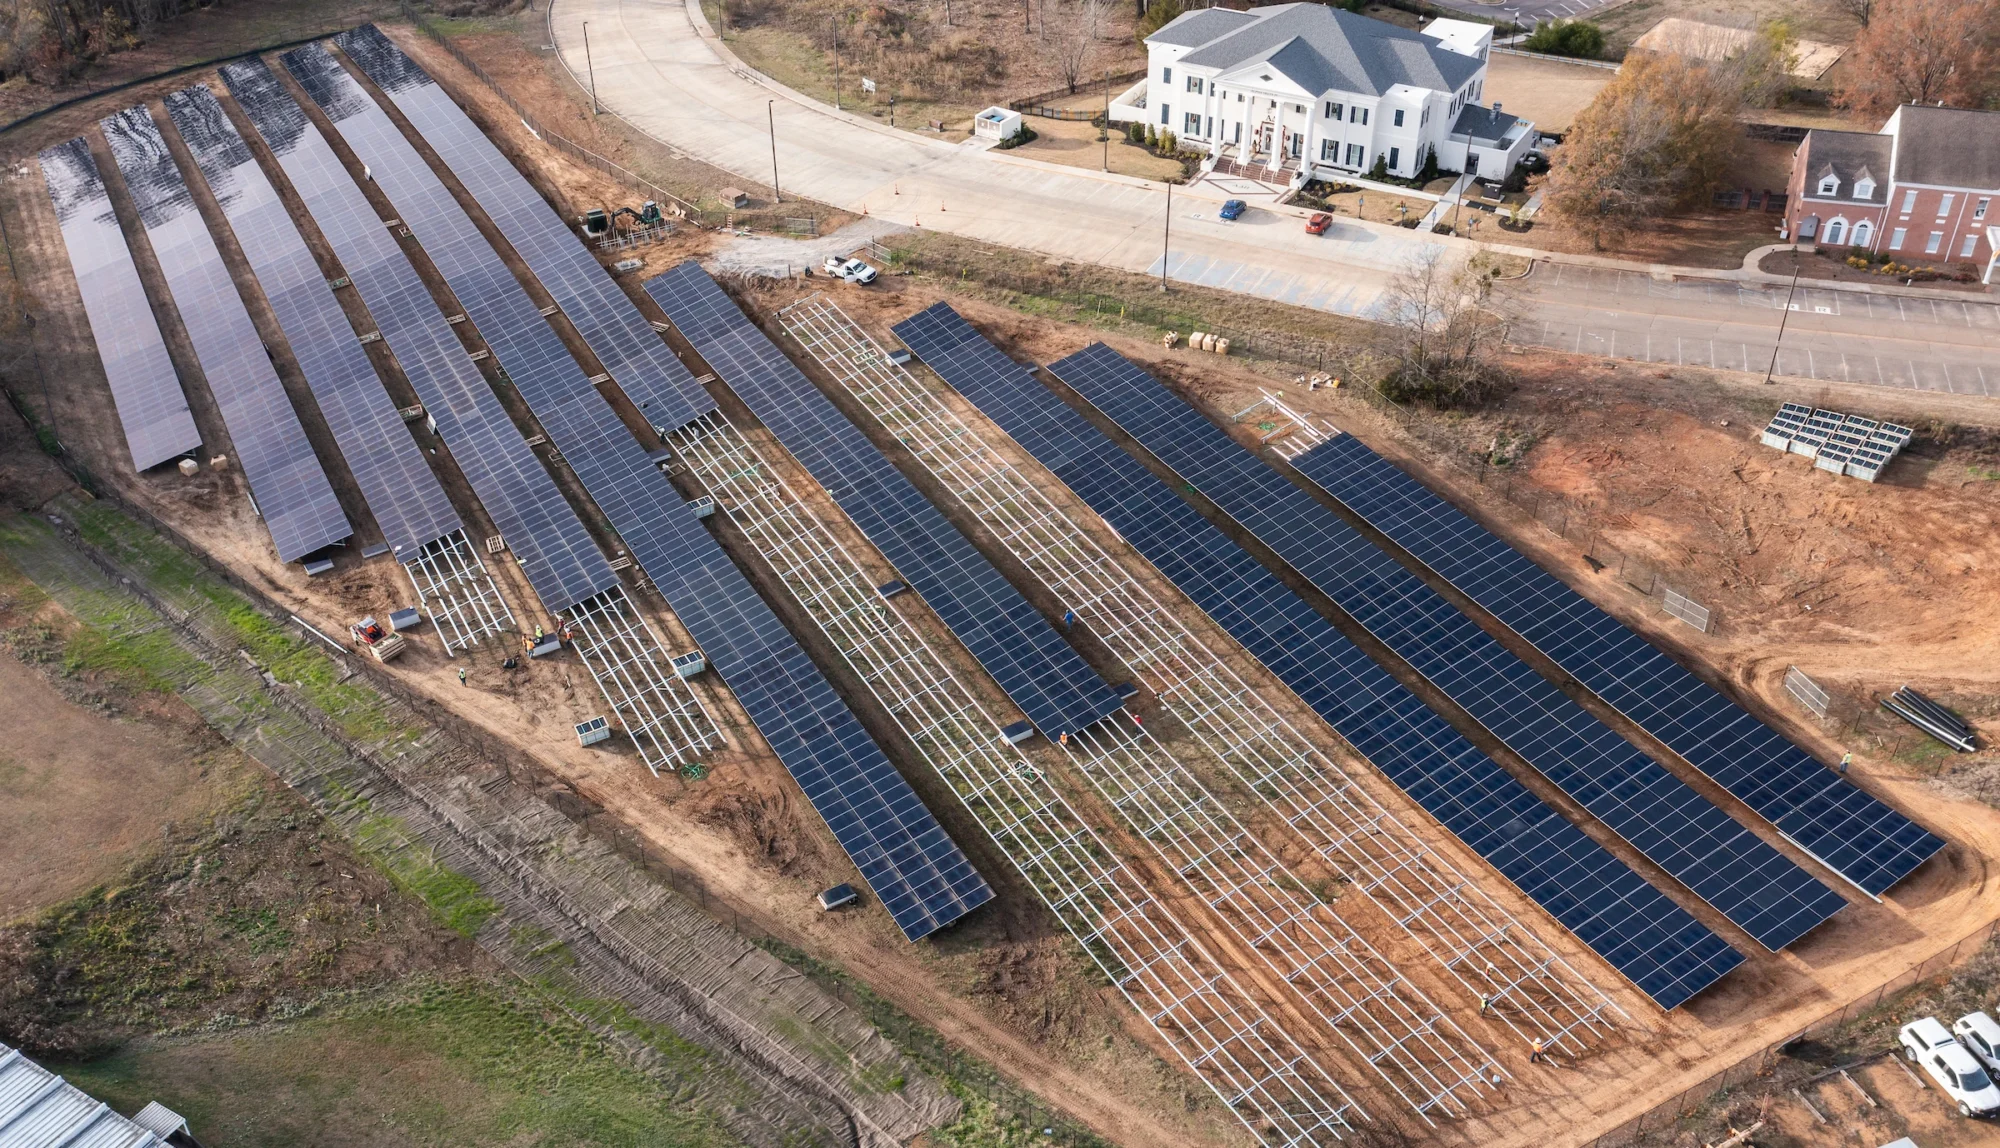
{"x": 1107, "y": 120}
{"x": 590, "y": 68}
{"x": 1166, "y": 237}
{"x": 834, "y": 23}
{"x": 771, "y": 117}
{"x": 1782, "y": 317}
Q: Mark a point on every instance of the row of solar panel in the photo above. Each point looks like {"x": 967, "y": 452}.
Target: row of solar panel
{"x": 1639, "y": 930}
{"x": 1760, "y": 889}
{"x": 912, "y": 865}
{"x": 1058, "y": 691}
{"x": 1829, "y": 817}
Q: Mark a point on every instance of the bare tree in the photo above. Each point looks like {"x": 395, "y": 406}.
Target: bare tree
{"x": 1862, "y": 10}
{"x": 1923, "y": 51}
{"x": 1445, "y": 341}
{"x": 1076, "y": 39}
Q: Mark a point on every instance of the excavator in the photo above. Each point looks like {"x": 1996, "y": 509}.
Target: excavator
{"x": 597, "y": 221}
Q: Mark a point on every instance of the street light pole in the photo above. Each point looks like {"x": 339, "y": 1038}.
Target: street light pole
{"x": 1782, "y": 317}
{"x": 590, "y": 68}
{"x": 834, "y": 23}
{"x": 1107, "y": 120}
{"x": 771, "y": 117}
{"x": 1166, "y": 237}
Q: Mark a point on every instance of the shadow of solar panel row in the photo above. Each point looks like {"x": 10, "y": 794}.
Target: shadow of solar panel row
{"x": 912, "y": 865}
{"x": 144, "y": 388}
{"x": 388, "y": 465}
{"x": 1753, "y": 884}
{"x": 1857, "y": 836}
{"x": 554, "y": 550}
{"x": 632, "y": 353}
{"x": 1054, "y": 686}
{"x": 290, "y": 487}
{"x": 1640, "y": 931}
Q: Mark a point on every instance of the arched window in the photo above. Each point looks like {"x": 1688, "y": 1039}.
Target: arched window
{"x": 1836, "y": 232}
{"x": 1862, "y": 231}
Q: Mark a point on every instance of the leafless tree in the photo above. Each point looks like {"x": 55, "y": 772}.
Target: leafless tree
{"x": 1075, "y": 40}
{"x": 1445, "y": 340}
{"x": 1862, "y": 10}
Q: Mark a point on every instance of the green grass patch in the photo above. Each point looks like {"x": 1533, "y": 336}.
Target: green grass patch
{"x": 454, "y": 898}
{"x": 463, "y": 1062}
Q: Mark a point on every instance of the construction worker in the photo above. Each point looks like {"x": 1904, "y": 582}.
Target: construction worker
{"x": 1846, "y": 759}
{"x": 538, "y": 633}
{"x": 1485, "y": 1002}
{"x": 461, "y": 675}
{"x": 1535, "y": 1051}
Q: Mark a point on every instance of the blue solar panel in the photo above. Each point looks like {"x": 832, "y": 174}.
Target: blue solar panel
{"x": 1753, "y": 884}
{"x": 144, "y": 388}
{"x": 1053, "y": 685}
{"x": 1634, "y": 926}
{"x": 405, "y": 497}
{"x": 918, "y": 872}
{"x": 1857, "y": 836}
{"x": 290, "y": 487}
{"x": 556, "y": 553}
{"x": 632, "y": 354}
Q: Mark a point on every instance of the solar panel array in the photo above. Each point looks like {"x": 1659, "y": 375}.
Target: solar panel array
{"x": 1731, "y": 868}
{"x": 291, "y": 490}
{"x": 1636, "y": 928}
{"x": 1058, "y": 691}
{"x": 388, "y": 465}
{"x": 144, "y": 388}
{"x": 616, "y": 333}
{"x": 556, "y": 553}
{"x": 1844, "y": 444}
{"x": 913, "y": 866}
{"x": 1851, "y": 832}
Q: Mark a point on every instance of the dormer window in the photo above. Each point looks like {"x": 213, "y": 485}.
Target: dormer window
{"x": 1864, "y": 188}
{"x": 1829, "y": 185}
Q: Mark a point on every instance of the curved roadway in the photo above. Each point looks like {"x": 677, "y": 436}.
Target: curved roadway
{"x": 659, "y": 67}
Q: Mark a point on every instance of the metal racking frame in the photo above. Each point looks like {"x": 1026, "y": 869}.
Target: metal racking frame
{"x": 457, "y": 592}
{"x": 1218, "y": 1029}
{"x": 635, "y": 673}
{"x": 1519, "y": 980}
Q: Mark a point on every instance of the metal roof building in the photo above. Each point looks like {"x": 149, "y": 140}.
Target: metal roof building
{"x": 39, "y": 1109}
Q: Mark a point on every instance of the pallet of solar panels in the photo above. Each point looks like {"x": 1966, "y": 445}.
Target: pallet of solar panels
{"x": 1932, "y": 718}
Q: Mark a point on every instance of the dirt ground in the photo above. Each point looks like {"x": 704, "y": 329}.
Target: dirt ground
{"x": 1548, "y": 91}
{"x": 1824, "y": 20}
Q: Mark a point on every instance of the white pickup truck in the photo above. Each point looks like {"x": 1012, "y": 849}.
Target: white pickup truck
{"x": 849, "y": 270}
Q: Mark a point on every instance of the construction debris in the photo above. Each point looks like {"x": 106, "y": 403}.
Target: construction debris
{"x": 1844, "y": 444}
{"x": 1931, "y": 717}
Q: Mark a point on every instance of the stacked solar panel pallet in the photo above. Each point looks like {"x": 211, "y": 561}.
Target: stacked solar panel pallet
{"x": 1844, "y": 444}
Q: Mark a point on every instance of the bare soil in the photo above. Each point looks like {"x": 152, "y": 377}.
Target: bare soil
{"x": 1548, "y": 91}
{"x": 1824, "y": 20}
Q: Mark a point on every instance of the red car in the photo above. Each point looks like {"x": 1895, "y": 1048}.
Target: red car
{"x": 1318, "y": 224}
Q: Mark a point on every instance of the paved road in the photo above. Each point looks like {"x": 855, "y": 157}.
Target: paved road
{"x": 657, "y": 66}
{"x": 1528, "y": 13}
{"x": 1925, "y": 344}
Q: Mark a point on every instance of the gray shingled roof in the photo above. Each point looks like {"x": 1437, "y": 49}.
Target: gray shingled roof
{"x": 1480, "y": 123}
{"x": 1953, "y": 147}
{"x": 1849, "y": 154}
{"x": 1193, "y": 29}
{"x": 1324, "y": 49}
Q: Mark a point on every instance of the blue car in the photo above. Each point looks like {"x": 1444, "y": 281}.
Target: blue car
{"x": 1234, "y": 209}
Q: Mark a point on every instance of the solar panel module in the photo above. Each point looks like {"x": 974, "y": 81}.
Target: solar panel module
{"x": 289, "y": 486}
{"x": 554, "y": 550}
{"x": 905, "y": 855}
{"x": 1053, "y": 685}
{"x": 1760, "y": 889}
{"x": 144, "y": 388}
{"x": 632, "y": 354}
{"x": 388, "y": 465}
{"x": 1637, "y": 929}
{"x": 1829, "y": 817}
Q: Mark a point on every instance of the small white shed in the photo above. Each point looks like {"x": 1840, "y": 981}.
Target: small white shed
{"x": 997, "y": 123}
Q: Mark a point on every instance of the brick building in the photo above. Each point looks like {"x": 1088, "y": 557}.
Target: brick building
{"x": 1921, "y": 190}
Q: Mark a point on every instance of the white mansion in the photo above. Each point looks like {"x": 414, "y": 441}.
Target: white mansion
{"x": 1309, "y": 91}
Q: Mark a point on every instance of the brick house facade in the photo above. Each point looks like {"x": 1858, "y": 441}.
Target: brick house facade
{"x": 1925, "y": 189}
